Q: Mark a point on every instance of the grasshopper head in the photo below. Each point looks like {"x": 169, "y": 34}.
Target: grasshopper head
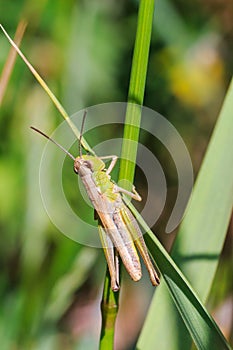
{"x": 81, "y": 164}
{"x": 87, "y": 163}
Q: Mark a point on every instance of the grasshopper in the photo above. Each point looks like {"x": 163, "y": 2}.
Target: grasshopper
{"x": 118, "y": 229}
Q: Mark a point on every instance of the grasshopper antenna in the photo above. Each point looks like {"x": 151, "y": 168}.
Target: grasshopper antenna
{"x": 81, "y": 133}
{"x": 57, "y": 144}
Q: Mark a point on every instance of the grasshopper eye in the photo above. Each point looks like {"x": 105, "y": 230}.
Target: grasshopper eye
{"x": 75, "y": 170}
{"x": 76, "y": 165}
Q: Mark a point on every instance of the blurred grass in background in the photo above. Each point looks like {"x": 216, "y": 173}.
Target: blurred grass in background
{"x": 49, "y": 285}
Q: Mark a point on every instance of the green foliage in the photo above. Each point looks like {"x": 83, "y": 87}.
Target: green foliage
{"x": 83, "y": 51}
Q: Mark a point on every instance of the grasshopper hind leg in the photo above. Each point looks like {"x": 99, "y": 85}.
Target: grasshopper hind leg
{"x": 111, "y": 257}
{"x": 139, "y": 242}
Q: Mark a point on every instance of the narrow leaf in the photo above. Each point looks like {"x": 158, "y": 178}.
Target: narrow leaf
{"x": 196, "y": 250}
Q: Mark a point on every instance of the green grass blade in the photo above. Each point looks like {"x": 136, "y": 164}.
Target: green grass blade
{"x": 109, "y": 309}
{"x": 10, "y": 62}
{"x": 136, "y": 91}
{"x": 196, "y": 250}
{"x": 199, "y": 323}
{"x": 129, "y": 148}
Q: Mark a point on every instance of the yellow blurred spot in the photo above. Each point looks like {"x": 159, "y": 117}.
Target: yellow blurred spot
{"x": 198, "y": 78}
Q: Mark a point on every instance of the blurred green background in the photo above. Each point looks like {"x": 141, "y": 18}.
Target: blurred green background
{"x": 50, "y": 287}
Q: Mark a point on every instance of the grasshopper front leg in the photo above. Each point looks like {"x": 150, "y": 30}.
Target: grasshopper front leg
{"x": 112, "y": 164}
{"x": 135, "y": 195}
